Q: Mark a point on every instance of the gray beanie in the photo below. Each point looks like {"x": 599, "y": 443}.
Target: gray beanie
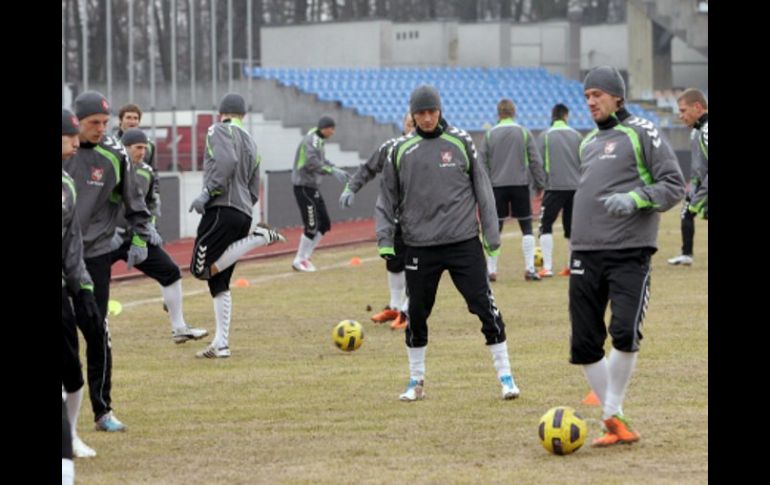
{"x": 91, "y": 103}
{"x": 133, "y": 136}
{"x": 69, "y": 123}
{"x": 606, "y": 78}
{"x": 325, "y": 122}
{"x": 232, "y": 103}
{"x": 424, "y": 97}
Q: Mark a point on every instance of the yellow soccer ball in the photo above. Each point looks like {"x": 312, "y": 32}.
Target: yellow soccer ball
{"x": 562, "y": 431}
{"x": 348, "y": 335}
{"x": 538, "y": 257}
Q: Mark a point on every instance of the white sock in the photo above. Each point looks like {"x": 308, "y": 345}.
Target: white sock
{"x": 397, "y": 284}
{"x": 67, "y": 471}
{"x": 222, "y": 308}
{"x": 528, "y": 248}
{"x": 416, "y": 362}
{"x": 569, "y": 254}
{"x": 546, "y": 244}
{"x": 405, "y": 305}
{"x": 172, "y": 297}
{"x": 316, "y": 240}
{"x": 305, "y": 249}
{"x": 500, "y": 359}
{"x": 492, "y": 264}
{"x": 237, "y": 249}
{"x": 73, "y": 402}
{"x": 621, "y": 366}
{"x": 597, "y": 375}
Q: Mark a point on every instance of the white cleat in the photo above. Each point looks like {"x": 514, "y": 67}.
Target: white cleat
{"x": 510, "y": 390}
{"x": 186, "y": 333}
{"x": 303, "y": 266}
{"x": 81, "y": 450}
{"x": 414, "y": 391}
{"x": 682, "y": 260}
{"x": 212, "y": 352}
{"x": 270, "y": 234}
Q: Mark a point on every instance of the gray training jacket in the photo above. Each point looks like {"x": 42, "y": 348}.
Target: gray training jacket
{"x": 369, "y": 169}
{"x": 560, "y": 147}
{"x": 435, "y": 186}
{"x": 73, "y": 270}
{"x": 701, "y": 169}
{"x": 147, "y": 183}
{"x": 310, "y": 163}
{"x": 629, "y": 157}
{"x": 231, "y": 167}
{"x": 103, "y": 180}
{"x": 508, "y": 153}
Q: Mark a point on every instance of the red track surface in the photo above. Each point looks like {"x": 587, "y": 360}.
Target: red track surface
{"x": 342, "y": 233}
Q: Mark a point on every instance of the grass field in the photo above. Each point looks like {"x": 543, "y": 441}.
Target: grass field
{"x": 288, "y": 407}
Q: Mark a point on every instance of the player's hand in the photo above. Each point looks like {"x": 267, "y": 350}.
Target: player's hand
{"x": 199, "y": 204}
{"x": 620, "y": 205}
{"x": 387, "y": 253}
{"x": 347, "y": 198}
{"x": 117, "y": 238}
{"x": 155, "y": 238}
{"x": 136, "y": 255}
{"x": 87, "y": 302}
{"x": 340, "y": 175}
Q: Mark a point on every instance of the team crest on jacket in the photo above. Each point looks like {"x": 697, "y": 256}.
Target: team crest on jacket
{"x": 446, "y": 159}
{"x": 609, "y": 149}
{"x": 97, "y": 174}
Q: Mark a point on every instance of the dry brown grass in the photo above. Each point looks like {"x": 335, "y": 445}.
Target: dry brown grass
{"x": 288, "y": 407}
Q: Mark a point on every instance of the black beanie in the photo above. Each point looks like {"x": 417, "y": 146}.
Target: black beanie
{"x": 424, "y": 97}
{"x": 325, "y": 122}
{"x": 133, "y": 136}
{"x": 90, "y": 103}
{"x": 69, "y": 123}
{"x": 232, "y": 103}
{"x": 606, "y": 78}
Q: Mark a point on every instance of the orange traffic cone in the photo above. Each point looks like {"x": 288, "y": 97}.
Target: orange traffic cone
{"x": 241, "y": 283}
{"x": 355, "y": 261}
{"x": 591, "y": 399}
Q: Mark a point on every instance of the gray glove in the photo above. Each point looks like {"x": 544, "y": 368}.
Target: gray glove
{"x": 199, "y": 204}
{"x": 340, "y": 175}
{"x": 117, "y": 238}
{"x": 620, "y": 205}
{"x": 155, "y": 238}
{"x": 136, "y": 255}
{"x": 347, "y": 198}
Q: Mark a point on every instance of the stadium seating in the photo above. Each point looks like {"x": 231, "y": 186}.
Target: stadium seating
{"x": 469, "y": 94}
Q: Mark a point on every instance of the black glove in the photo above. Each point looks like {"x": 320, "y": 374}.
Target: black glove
{"x": 87, "y": 302}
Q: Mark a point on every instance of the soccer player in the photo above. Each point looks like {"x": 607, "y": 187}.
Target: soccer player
{"x": 158, "y": 265}
{"x": 629, "y": 174}
{"x": 310, "y": 165}
{"x": 509, "y": 155}
{"x": 434, "y": 183}
{"x": 230, "y": 190}
{"x": 560, "y": 146}
{"x": 130, "y": 116}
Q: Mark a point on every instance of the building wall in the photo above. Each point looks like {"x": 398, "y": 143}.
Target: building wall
{"x": 425, "y": 43}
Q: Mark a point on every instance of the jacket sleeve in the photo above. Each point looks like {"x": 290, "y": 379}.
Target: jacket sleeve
{"x": 74, "y": 270}
{"x": 482, "y": 187}
{"x": 535, "y": 162}
{"x": 136, "y": 212}
{"x": 147, "y": 181}
{"x": 369, "y": 169}
{"x": 220, "y": 143}
{"x": 386, "y": 206}
{"x": 314, "y": 161}
{"x": 667, "y": 186}
{"x": 484, "y": 155}
{"x": 254, "y": 180}
{"x": 541, "y": 139}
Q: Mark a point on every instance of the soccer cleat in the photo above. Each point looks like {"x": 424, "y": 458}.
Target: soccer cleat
{"x": 414, "y": 391}
{"x": 186, "y": 333}
{"x": 400, "y": 322}
{"x": 270, "y": 234}
{"x": 81, "y": 450}
{"x": 387, "y": 314}
{"x": 618, "y": 431}
{"x": 531, "y": 276}
{"x": 510, "y": 390}
{"x": 492, "y": 276}
{"x": 682, "y": 259}
{"x": 109, "y": 423}
{"x": 212, "y": 352}
{"x": 303, "y": 266}
{"x": 545, "y": 273}
{"x": 564, "y": 272}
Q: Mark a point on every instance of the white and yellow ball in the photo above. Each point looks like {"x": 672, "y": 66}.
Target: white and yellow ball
{"x": 562, "y": 430}
{"x": 538, "y": 257}
{"x": 348, "y": 335}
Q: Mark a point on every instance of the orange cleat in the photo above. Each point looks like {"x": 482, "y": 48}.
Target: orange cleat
{"x": 386, "y": 315}
{"x": 400, "y": 322}
{"x": 564, "y": 272}
{"x": 618, "y": 432}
